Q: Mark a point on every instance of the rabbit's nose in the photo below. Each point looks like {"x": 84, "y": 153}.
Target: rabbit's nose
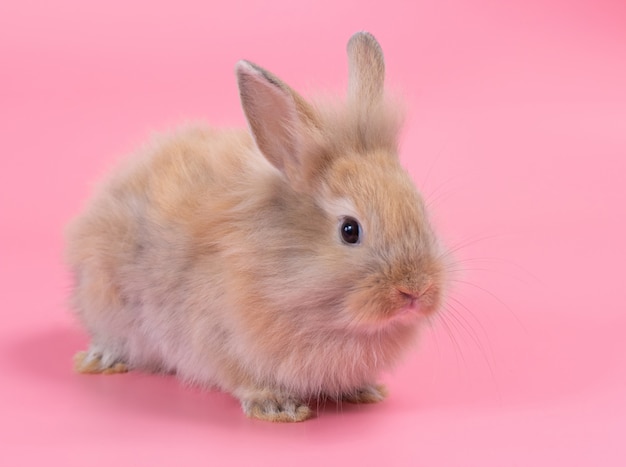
{"x": 418, "y": 299}
{"x": 407, "y": 293}
{"x": 409, "y": 299}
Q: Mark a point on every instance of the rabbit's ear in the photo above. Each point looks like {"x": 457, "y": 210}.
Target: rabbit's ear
{"x": 276, "y": 114}
{"x": 367, "y": 70}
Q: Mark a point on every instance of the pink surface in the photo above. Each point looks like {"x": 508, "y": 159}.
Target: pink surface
{"x": 517, "y": 135}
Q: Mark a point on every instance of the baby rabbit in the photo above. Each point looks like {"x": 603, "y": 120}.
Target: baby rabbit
{"x": 284, "y": 264}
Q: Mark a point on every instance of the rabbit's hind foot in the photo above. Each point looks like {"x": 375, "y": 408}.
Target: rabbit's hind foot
{"x": 96, "y": 360}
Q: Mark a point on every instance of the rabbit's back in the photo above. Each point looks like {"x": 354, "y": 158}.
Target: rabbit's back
{"x": 135, "y": 250}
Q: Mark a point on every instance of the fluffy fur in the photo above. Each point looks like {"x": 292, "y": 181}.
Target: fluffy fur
{"x": 217, "y": 255}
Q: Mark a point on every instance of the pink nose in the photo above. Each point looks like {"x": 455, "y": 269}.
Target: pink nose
{"x": 411, "y": 300}
{"x": 407, "y": 294}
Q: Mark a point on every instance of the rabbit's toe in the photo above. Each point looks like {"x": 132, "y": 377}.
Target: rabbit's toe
{"x": 369, "y": 394}
{"x": 277, "y": 409}
{"x": 95, "y": 360}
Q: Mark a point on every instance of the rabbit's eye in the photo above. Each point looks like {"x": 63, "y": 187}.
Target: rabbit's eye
{"x": 350, "y": 230}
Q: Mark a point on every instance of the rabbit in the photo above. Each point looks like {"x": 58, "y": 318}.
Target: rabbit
{"x": 284, "y": 264}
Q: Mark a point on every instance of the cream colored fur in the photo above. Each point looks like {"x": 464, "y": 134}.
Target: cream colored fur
{"x": 216, "y": 255}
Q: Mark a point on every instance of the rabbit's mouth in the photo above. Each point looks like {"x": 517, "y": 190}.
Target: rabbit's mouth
{"x": 410, "y": 303}
{"x": 413, "y": 307}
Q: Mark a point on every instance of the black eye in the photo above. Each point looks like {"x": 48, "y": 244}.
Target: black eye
{"x": 350, "y": 230}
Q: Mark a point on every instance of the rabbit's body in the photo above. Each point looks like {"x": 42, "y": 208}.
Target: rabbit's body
{"x": 227, "y": 259}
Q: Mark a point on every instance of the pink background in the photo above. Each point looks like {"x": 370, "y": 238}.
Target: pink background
{"x": 517, "y": 135}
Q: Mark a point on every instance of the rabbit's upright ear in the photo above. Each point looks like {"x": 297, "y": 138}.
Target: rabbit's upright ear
{"x": 367, "y": 70}
{"x": 277, "y": 116}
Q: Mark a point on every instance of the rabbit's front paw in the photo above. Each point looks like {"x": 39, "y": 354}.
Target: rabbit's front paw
{"x": 369, "y": 394}
{"x": 274, "y": 408}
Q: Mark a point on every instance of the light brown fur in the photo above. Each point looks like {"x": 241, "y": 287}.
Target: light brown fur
{"x": 217, "y": 254}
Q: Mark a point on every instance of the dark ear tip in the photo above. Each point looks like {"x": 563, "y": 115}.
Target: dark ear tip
{"x": 244, "y": 67}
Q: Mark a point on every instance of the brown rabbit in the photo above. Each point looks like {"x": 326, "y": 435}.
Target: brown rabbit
{"x": 292, "y": 263}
